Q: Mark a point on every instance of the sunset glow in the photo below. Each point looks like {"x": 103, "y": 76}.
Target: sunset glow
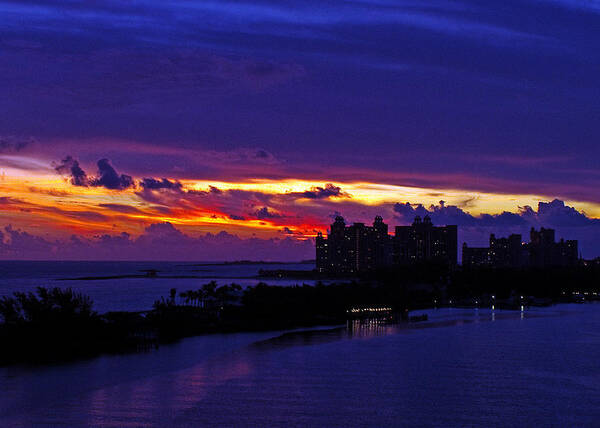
{"x": 36, "y": 200}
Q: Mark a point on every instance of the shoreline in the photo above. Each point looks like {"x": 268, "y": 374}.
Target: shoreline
{"x": 59, "y": 324}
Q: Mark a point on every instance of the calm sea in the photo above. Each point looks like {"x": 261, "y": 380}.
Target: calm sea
{"x": 461, "y": 368}
{"x": 131, "y": 294}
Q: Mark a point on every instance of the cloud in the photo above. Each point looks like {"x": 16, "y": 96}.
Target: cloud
{"x": 121, "y": 208}
{"x": 317, "y": 192}
{"x": 287, "y": 231}
{"x": 88, "y": 216}
{"x": 165, "y": 183}
{"x": 70, "y": 167}
{"x": 556, "y": 213}
{"x": 165, "y": 232}
{"x": 264, "y": 213}
{"x": 50, "y": 192}
{"x": 548, "y": 214}
{"x": 109, "y": 178}
{"x": 10, "y": 144}
{"x": 215, "y": 190}
{"x": 262, "y": 154}
{"x": 160, "y": 241}
{"x": 148, "y": 89}
{"x": 7, "y": 200}
{"x": 19, "y": 244}
{"x": 236, "y": 217}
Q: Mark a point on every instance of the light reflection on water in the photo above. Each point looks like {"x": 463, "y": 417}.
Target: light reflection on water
{"x": 462, "y": 367}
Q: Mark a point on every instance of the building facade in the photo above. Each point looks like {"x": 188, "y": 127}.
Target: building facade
{"x": 541, "y": 251}
{"x": 424, "y": 242}
{"x": 359, "y": 248}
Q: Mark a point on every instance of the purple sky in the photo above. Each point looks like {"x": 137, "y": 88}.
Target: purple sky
{"x": 480, "y": 96}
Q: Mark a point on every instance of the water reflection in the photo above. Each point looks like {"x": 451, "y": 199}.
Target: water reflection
{"x": 301, "y": 338}
{"x": 143, "y": 402}
{"x": 370, "y": 327}
{"x": 367, "y": 328}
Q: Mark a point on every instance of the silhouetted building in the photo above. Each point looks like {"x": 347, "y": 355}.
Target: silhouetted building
{"x": 566, "y": 253}
{"x": 424, "y": 242}
{"x": 541, "y": 251}
{"x": 507, "y": 252}
{"x": 541, "y": 247}
{"x": 476, "y": 256}
{"x": 322, "y": 247}
{"x": 502, "y": 252}
{"x": 359, "y": 248}
{"x": 355, "y": 248}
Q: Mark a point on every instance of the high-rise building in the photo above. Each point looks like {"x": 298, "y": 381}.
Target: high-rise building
{"x": 506, "y": 252}
{"x": 541, "y": 251}
{"x": 424, "y": 242}
{"x": 476, "y": 256}
{"x": 355, "y": 248}
{"x": 541, "y": 247}
{"x": 359, "y": 248}
{"x": 566, "y": 253}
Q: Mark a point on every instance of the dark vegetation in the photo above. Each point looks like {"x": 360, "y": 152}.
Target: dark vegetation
{"x": 58, "y": 324}
{"x": 54, "y": 324}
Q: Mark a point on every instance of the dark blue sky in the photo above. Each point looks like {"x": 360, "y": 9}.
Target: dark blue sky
{"x": 505, "y": 93}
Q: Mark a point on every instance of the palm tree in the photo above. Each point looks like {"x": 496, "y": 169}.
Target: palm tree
{"x": 209, "y": 288}
{"x": 201, "y": 295}
{"x": 222, "y": 294}
{"x": 186, "y": 296}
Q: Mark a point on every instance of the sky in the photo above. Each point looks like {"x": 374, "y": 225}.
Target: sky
{"x": 205, "y": 130}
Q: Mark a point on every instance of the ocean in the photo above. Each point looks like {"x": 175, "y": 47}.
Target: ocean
{"x": 122, "y": 293}
{"x": 463, "y": 368}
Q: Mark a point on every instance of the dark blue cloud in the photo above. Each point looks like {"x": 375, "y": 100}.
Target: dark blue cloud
{"x": 318, "y": 192}
{"x": 109, "y": 178}
{"x": 157, "y": 184}
{"x": 264, "y": 213}
{"x": 236, "y": 217}
{"x": 548, "y": 214}
{"x": 70, "y": 167}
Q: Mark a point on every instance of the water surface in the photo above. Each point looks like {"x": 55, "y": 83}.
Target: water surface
{"x": 132, "y": 294}
{"x": 461, "y": 368}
